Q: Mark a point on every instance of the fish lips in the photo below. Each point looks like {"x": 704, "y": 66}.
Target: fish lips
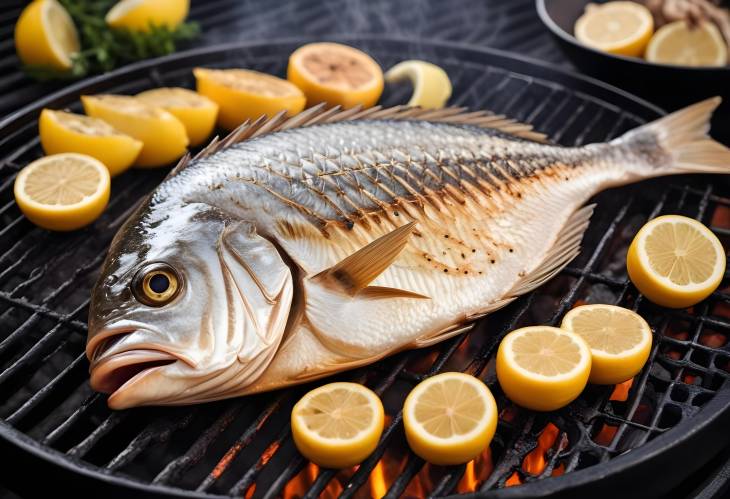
{"x": 119, "y": 361}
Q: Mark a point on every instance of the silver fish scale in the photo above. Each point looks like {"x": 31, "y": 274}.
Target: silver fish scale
{"x": 334, "y": 171}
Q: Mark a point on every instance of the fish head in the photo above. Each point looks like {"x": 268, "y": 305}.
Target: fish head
{"x": 190, "y": 304}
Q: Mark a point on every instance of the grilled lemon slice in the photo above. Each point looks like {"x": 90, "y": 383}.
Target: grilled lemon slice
{"x": 335, "y": 73}
{"x": 431, "y": 84}
{"x": 68, "y": 132}
{"x": 196, "y": 112}
{"x": 163, "y": 136}
{"x": 140, "y": 15}
{"x": 46, "y": 35}
{"x": 619, "y": 339}
{"x": 543, "y": 368}
{"x": 622, "y": 28}
{"x": 676, "y": 261}
{"x": 450, "y": 418}
{"x": 242, "y": 94}
{"x": 678, "y": 43}
{"x": 337, "y": 425}
{"x": 63, "y": 191}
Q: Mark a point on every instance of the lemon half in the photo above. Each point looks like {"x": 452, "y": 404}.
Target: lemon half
{"x": 68, "y": 132}
{"x": 622, "y": 28}
{"x": 196, "y": 112}
{"x": 46, "y": 35}
{"x": 619, "y": 339}
{"x": 337, "y": 425}
{"x": 450, "y": 418}
{"x": 676, "y": 261}
{"x": 242, "y": 94}
{"x": 163, "y": 135}
{"x": 138, "y": 15}
{"x": 678, "y": 43}
{"x": 543, "y": 368}
{"x": 63, "y": 191}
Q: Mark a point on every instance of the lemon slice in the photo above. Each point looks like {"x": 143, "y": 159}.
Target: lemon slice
{"x": 67, "y": 132}
{"x": 450, "y": 418}
{"x": 140, "y": 15}
{"x": 63, "y": 191}
{"x": 678, "y": 43}
{"x": 335, "y": 73}
{"x": 196, "y": 112}
{"x": 543, "y": 368}
{"x": 242, "y": 94}
{"x": 431, "y": 84}
{"x": 675, "y": 261}
{"x": 46, "y": 35}
{"x": 337, "y": 425}
{"x": 619, "y": 340}
{"x": 163, "y": 136}
{"x": 622, "y": 28}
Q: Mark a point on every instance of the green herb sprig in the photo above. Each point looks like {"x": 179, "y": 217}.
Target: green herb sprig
{"x": 104, "y": 48}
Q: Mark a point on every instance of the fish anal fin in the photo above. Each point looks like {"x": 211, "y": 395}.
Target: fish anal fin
{"x": 353, "y": 274}
{"x": 442, "y": 335}
{"x": 566, "y": 247}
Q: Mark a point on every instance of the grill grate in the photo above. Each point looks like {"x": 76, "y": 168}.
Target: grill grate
{"x": 242, "y": 447}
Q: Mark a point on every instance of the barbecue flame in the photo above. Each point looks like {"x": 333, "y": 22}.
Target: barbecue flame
{"x": 377, "y": 481}
{"x": 621, "y": 392}
{"x": 535, "y": 462}
{"x": 476, "y": 472}
{"x": 605, "y": 435}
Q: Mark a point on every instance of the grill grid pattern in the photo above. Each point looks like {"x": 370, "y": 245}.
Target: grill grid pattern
{"x": 229, "y": 447}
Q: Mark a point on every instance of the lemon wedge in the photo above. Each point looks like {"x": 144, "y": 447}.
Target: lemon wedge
{"x": 337, "y": 425}
{"x": 63, "y": 191}
{"x": 196, "y": 112}
{"x": 622, "y": 28}
{"x": 543, "y": 368}
{"x": 335, "y": 73}
{"x": 68, "y": 132}
{"x": 619, "y": 340}
{"x": 675, "y": 261}
{"x": 431, "y": 84}
{"x": 242, "y": 94}
{"x": 46, "y": 35}
{"x": 450, "y": 418}
{"x": 163, "y": 136}
{"x": 677, "y": 43}
{"x": 140, "y": 15}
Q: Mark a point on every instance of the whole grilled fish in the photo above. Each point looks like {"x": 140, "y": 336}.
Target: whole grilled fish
{"x": 298, "y": 248}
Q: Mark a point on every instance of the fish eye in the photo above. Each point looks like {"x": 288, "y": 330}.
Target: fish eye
{"x": 156, "y": 284}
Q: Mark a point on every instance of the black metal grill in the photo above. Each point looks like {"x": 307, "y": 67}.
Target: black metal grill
{"x": 242, "y": 447}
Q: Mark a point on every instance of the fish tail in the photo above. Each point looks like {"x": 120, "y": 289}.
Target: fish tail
{"x": 683, "y": 136}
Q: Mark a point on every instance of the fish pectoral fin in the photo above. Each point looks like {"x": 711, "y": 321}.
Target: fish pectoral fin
{"x": 566, "y": 247}
{"x": 380, "y": 292}
{"x": 353, "y": 274}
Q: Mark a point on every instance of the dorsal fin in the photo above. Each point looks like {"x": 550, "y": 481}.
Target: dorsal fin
{"x": 320, "y": 114}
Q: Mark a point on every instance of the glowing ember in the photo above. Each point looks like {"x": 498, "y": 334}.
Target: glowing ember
{"x": 513, "y": 480}
{"x": 535, "y": 462}
{"x": 605, "y": 436}
{"x": 559, "y": 470}
{"x": 721, "y": 217}
{"x": 621, "y": 392}
{"x": 421, "y": 484}
{"x": 251, "y": 491}
{"x": 713, "y": 339}
{"x": 508, "y": 414}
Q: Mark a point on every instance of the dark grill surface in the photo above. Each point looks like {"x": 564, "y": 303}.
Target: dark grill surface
{"x": 243, "y": 446}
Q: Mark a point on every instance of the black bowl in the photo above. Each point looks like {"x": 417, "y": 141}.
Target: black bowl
{"x": 668, "y": 85}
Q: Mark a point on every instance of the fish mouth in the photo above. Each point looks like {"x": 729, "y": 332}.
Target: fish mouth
{"x": 115, "y": 364}
{"x": 115, "y": 371}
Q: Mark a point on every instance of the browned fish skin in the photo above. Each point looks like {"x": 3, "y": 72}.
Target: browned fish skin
{"x": 271, "y": 237}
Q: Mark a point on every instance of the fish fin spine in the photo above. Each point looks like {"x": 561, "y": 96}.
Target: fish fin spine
{"x": 566, "y": 247}
{"x": 683, "y": 136}
{"x": 353, "y": 274}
